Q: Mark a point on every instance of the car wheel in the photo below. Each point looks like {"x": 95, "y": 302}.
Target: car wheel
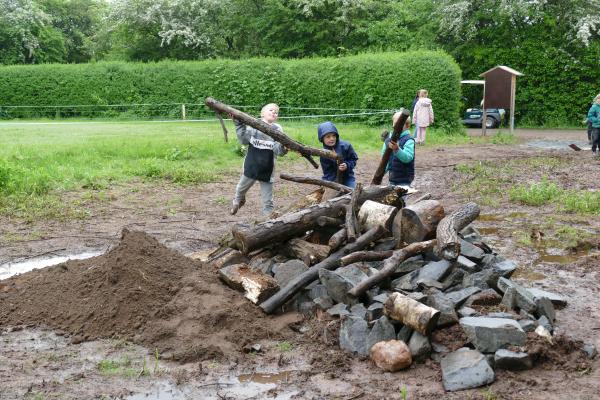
{"x": 490, "y": 122}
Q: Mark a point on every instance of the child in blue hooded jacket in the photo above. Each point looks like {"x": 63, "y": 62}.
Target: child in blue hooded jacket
{"x": 329, "y": 136}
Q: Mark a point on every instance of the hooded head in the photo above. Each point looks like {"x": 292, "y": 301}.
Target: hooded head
{"x": 325, "y": 128}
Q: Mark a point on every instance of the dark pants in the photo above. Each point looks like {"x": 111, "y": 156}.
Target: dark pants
{"x": 595, "y": 139}
{"x": 589, "y": 131}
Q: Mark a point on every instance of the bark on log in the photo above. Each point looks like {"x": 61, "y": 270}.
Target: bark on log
{"x": 337, "y": 239}
{"x": 298, "y": 223}
{"x": 426, "y": 196}
{"x": 410, "y": 312}
{"x": 351, "y": 224}
{"x": 418, "y": 222}
{"x": 220, "y": 118}
{"x": 328, "y": 221}
{"x": 310, "y": 199}
{"x": 448, "y": 243}
{"x": 378, "y": 177}
{"x": 390, "y": 265}
{"x": 373, "y": 213}
{"x": 276, "y": 134}
{"x": 313, "y": 181}
{"x": 331, "y": 262}
{"x": 359, "y": 256}
{"x": 310, "y": 253}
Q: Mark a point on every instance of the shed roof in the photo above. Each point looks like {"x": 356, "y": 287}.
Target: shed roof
{"x": 474, "y": 81}
{"x": 505, "y": 68}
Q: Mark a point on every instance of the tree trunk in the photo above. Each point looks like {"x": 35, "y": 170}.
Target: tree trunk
{"x": 373, "y": 213}
{"x": 310, "y": 253}
{"x": 417, "y": 222}
{"x": 410, "y": 312}
{"x": 331, "y": 262}
{"x": 378, "y": 177}
{"x": 359, "y": 256}
{"x": 314, "y": 181}
{"x": 351, "y": 224}
{"x": 337, "y": 239}
{"x": 298, "y": 223}
{"x": 328, "y": 221}
{"x": 275, "y": 133}
{"x": 390, "y": 265}
{"x": 448, "y": 243}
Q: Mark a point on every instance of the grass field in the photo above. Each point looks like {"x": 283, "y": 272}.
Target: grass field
{"x": 41, "y": 160}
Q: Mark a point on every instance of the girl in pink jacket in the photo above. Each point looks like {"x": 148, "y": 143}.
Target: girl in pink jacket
{"x": 422, "y": 116}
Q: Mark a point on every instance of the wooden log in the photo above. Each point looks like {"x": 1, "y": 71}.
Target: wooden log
{"x": 410, "y": 312}
{"x": 351, "y": 224}
{"x": 328, "y": 221}
{"x": 313, "y": 181}
{"x": 337, "y": 239}
{"x": 373, "y": 213}
{"x": 227, "y": 258}
{"x": 314, "y": 197}
{"x": 448, "y": 243}
{"x": 256, "y": 286}
{"x": 331, "y": 262}
{"x": 426, "y": 196}
{"x": 220, "y": 118}
{"x": 298, "y": 223}
{"x": 270, "y": 130}
{"x": 359, "y": 256}
{"x": 390, "y": 265}
{"x": 418, "y": 221}
{"x": 385, "y": 157}
{"x": 310, "y": 253}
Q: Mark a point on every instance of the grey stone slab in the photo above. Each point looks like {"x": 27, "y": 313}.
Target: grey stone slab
{"x": 324, "y": 303}
{"x": 339, "y": 282}
{"x": 339, "y": 309}
{"x": 505, "y": 268}
{"x": 467, "y": 312}
{"x": 545, "y": 322}
{"x": 501, "y": 315}
{"x": 307, "y": 308}
{"x": 409, "y": 265}
{"x": 511, "y": 360}
{"x": 359, "y": 310}
{"x": 556, "y": 299}
{"x": 455, "y": 278}
{"x": 467, "y": 265}
{"x": 523, "y": 298}
{"x": 471, "y": 251}
{"x": 288, "y": 271}
{"x": 419, "y": 346}
{"x": 528, "y": 325}
{"x": 382, "y": 330}
{"x": 353, "y": 335}
{"x": 441, "y": 302}
{"x": 435, "y": 271}
{"x": 465, "y": 369}
{"x": 545, "y": 308}
{"x": 317, "y": 290}
{"x": 479, "y": 279}
{"x": 382, "y": 297}
{"x": 590, "y": 350}
{"x": 405, "y": 333}
{"x": 491, "y": 334}
{"x": 374, "y": 311}
{"x": 460, "y": 296}
{"x": 264, "y": 265}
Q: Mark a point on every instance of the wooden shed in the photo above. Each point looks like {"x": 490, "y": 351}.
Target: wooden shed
{"x": 499, "y": 91}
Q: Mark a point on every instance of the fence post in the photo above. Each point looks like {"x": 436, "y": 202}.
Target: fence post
{"x": 182, "y": 111}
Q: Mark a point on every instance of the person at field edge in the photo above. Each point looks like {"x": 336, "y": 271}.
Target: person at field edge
{"x": 332, "y": 171}
{"x": 594, "y": 117}
{"x": 260, "y": 160}
{"x": 422, "y": 115}
{"x": 401, "y": 166}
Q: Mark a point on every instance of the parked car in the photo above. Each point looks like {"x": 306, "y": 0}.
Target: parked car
{"x": 494, "y": 117}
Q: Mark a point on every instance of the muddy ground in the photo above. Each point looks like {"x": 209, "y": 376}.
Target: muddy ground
{"x": 60, "y": 351}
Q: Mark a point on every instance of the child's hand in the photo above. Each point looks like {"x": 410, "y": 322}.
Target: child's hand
{"x": 394, "y": 146}
{"x": 343, "y": 167}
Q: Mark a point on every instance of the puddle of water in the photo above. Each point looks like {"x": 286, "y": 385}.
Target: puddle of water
{"x": 558, "y": 144}
{"x": 517, "y": 215}
{"x": 9, "y": 269}
{"x": 528, "y": 274}
{"x": 265, "y": 378}
{"x": 558, "y": 256}
{"x": 163, "y": 391}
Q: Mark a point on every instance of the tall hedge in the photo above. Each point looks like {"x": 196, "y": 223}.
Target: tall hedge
{"x": 370, "y": 81}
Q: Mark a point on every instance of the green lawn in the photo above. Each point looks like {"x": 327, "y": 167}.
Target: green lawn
{"x": 41, "y": 160}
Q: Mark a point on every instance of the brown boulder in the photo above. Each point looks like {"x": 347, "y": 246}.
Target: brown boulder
{"x": 391, "y": 355}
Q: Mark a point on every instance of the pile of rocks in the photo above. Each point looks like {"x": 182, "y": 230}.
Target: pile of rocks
{"x": 393, "y": 322}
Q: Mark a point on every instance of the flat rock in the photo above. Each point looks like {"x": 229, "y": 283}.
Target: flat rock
{"x": 471, "y": 251}
{"x": 511, "y": 360}
{"x": 338, "y": 285}
{"x": 419, "y": 346}
{"x": 409, "y": 265}
{"x": 382, "y": 330}
{"x": 528, "y": 325}
{"x": 505, "y": 268}
{"x": 491, "y": 334}
{"x": 405, "y": 333}
{"x": 467, "y": 312}
{"x": 556, "y": 299}
{"x": 324, "y": 303}
{"x": 381, "y": 298}
{"x": 359, "y": 310}
{"x": 375, "y": 311}
{"x": 353, "y": 335}
{"x": 339, "y": 309}
{"x": 445, "y": 306}
{"x": 289, "y": 270}
{"x": 486, "y": 297}
{"x": 467, "y": 265}
{"x": 465, "y": 369}
{"x": 460, "y": 296}
{"x": 434, "y": 271}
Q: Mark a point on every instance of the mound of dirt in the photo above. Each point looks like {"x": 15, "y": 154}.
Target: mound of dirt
{"x": 564, "y": 353}
{"x": 140, "y": 291}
